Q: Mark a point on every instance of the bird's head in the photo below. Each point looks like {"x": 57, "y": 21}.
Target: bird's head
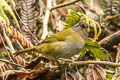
{"x": 82, "y": 29}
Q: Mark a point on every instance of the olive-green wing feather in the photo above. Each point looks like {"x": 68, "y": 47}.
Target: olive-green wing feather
{"x": 60, "y": 36}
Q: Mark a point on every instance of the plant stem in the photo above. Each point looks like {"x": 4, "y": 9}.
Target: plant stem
{"x": 64, "y": 4}
{"x": 96, "y": 62}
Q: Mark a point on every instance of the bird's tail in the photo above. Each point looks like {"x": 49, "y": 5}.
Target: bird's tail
{"x": 24, "y": 51}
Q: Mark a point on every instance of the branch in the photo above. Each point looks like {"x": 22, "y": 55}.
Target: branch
{"x": 110, "y": 17}
{"x": 95, "y": 62}
{"x": 110, "y": 41}
{"x": 65, "y": 4}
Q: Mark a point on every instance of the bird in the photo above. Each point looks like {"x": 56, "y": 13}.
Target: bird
{"x": 63, "y": 44}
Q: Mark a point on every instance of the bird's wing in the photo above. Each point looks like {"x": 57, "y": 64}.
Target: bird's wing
{"x": 50, "y": 39}
{"x": 60, "y": 36}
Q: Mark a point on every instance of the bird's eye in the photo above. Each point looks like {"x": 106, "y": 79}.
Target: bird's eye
{"x": 83, "y": 24}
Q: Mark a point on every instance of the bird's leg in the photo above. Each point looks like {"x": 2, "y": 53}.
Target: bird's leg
{"x": 63, "y": 63}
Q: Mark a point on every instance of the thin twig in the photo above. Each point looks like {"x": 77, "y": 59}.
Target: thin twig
{"x": 95, "y": 62}
{"x": 110, "y": 17}
{"x": 6, "y": 61}
{"x": 65, "y": 4}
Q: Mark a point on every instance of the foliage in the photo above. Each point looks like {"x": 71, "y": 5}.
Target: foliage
{"x": 91, "y": 45}
{"x": 5, "y": 5}
{"x": 73, "y": 17}
{"x": 33, "y": 65}
{"x": 97, "y": 51}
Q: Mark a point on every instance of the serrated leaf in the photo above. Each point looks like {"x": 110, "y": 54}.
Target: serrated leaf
{"x": 72, "y": 18}
{"x": 99, "y": 54}
{"x": 97, "y": 51}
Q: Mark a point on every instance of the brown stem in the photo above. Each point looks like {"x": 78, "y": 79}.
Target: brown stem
{"x": 95, "y": 62}
{"x": 110, "y": 41}
{"x": 64, "y": 4}
{"x": 110, "y": 17}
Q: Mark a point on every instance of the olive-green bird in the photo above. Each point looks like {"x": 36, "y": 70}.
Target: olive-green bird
{"x": 63, "y": 44}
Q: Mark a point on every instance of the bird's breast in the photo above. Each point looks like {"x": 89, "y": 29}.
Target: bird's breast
{"x": 68, "y": 49}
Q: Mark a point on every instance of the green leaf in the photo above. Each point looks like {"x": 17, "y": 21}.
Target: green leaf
{"x": 72, "y": 18}
{"x": 99, "y": 53}
{"x": 92, "y": 43}
{"x": 83, "y": 51}
{"x": 96, "y": 50}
